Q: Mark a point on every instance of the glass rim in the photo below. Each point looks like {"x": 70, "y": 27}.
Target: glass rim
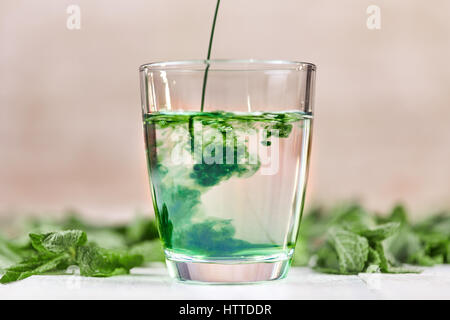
{"x": 243, "y": 65}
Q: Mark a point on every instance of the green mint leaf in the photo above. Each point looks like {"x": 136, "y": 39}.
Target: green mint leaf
{"x": 55, "y": 251}
{"x": 377, "y": 257}
{"x": 380, "y": 232}
{"x": 398, "y": 214}
{"x": 373, "y": 258}
{"x": 141, "y": 229}
{"x": 301, "y": 253}
{"x": 35, "y": 266}
{"x": 403, "y": 245}
{"x": 432, "y": 249}
{"x": 353, "y": 218}
{"x": 9, "y": 254}
{"x": 106, "y": 238}
{"x": 327, "y": 260}
{"x": 447, "y": 256}
{"x": 439, "y": 223}
{"x": 422, "y": 259}
{"x": 58, "y": 242}
{"x": 384, "y": 264}
{"x": 151, "y": 251}
{"x": 351, "y": 249}
{"x": 97, "y": 262}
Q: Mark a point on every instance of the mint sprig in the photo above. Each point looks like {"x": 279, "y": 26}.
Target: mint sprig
{"x": 56, "y": 251}
{"x": 349, "y": 240}
{"x": 341, "y": 240}
{"x": 98, "y": 251}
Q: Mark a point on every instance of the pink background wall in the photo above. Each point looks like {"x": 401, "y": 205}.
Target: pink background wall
{"x": 70, "y": 132}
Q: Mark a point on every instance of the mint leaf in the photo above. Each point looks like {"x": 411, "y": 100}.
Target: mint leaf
{"x": 447, "y": 260}
{"x": 351, "y": 250}
{"x": 108, "y": 239}
{"x": 373, "y": 258}
{"x": 404, "y": 245}
{"x": 9, "y": 254}
{"x": 380, "y": 232}
{"x": 141, "y": 229}
{"x": 352, "y": 217}
{"x": 327, "y": 260}
{"x": 97, "y": 262}
{"x": 55, "y": 251}
{"x": 392, "y": 240}
{"x": 384, "y": 263}
{"x": 398, "y": 214}
{"x": 58, "y": 242}
{"x": 151, "y": 251}
{"x": 34, "y": 266}
{"x": 433, "y": 250}
{"x": 439, "y": 223}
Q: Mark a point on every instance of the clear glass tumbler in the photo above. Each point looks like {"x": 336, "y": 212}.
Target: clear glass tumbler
{"x": 227, "y": 147}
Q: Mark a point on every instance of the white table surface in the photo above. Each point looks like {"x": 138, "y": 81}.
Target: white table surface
{"x": 301, "y": 283}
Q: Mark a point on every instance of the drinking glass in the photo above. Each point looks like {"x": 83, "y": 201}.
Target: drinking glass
{"x": 227, "y": 145}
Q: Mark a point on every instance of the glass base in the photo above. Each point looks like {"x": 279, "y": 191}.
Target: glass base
{"x": 223, "y": 272}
